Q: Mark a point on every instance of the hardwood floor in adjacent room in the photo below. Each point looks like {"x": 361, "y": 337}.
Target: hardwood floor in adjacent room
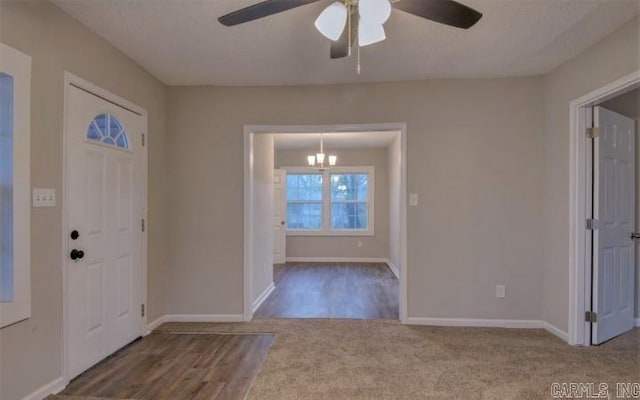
{"x": 332, "y": 290}
{"x": 177, "y": 367}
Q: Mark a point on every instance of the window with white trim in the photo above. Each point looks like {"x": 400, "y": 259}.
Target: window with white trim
{"x": 333, "y": 202}
{"x": 15, "y": 236}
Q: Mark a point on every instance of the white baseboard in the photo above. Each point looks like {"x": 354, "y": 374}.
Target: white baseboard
{"x": 156, "y": 323}
{"x": 53, "y": 387}
{"x": 393, "y": 268}
{"x": 204, "y": 318}
{"x": 475, "y": 322}
{"x": 490, "y": 323}
{"x": 555, "y": 331}
{"x": 258, "y": 302}
{"x": 338, "y": 259}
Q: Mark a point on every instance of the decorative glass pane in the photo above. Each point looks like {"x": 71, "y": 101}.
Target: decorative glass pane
{"x": 349, "y": 216}
{"x": 94, "y": 133}
{"x": 106, "y": 129}
{"x": 6, "y": 187}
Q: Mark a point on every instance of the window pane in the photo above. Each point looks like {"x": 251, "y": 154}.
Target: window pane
{"x": 6, "y": 187}
{"x": 352, "y": 187}
{"x": 301, "y": 187}
{"x": 306, "y": 216}
{"x": 349, "y": 216}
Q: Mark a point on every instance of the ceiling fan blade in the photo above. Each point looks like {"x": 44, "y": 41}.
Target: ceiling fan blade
{"x": 340, "y": 48}
{"x": 261, "y": 10}
{"x": 446, "y": 12}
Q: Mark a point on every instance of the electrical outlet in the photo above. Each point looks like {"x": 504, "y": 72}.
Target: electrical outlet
{"x": 501, "y": 291}
{"x": 44, "y": 197}
{"x": 413, "y": 199}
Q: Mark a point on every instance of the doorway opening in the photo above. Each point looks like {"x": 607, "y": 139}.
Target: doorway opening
{"x": 604, "y": 278}
{"x": 325, "y": 241}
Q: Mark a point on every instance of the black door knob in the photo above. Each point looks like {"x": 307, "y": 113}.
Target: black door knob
{"x": 74, "y": 235}
{"x": 76, "y": 254}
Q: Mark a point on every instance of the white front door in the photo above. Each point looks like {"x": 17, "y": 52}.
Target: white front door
{"x": 104, "y": 192}
{"x": 279, "y": 216}
{"x": 614, "y": 208}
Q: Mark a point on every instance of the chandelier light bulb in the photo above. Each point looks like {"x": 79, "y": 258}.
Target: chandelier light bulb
{"x": 332, "y": 20}
{"x": 311, "y": 160}
{"x": 332, "y": 160}
{"x": 320, "y": 158}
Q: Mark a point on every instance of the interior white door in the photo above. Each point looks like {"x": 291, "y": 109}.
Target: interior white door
{"x": 279, "y": 216}
{"x": 104, "y": 182}
{"x": 614, "y": 208}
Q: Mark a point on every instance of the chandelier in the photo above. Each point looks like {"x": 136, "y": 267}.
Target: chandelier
{"x": 317, "y": 160}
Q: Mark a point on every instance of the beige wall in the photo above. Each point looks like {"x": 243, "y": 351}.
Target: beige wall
{"x": 394, "y": 160}
{"x": 263, "y": 164}
{"x": 613, "y": 57}
{"x": 376, "y": 246}
{"x": 475, "y": 157}
{"x": 31, "y": 350}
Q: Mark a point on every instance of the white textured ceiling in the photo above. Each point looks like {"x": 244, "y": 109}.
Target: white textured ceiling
{"x": 333, "y": 140}
{"x": 181, "y": 43}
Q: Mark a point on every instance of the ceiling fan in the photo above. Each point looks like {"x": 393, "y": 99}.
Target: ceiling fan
{"x": 361, "y": 22}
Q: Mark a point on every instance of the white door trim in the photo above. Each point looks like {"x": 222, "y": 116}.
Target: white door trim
{"x": 71, "y": 80}
{"x": 579, "y": 179}
{"x": 251, "y": 130}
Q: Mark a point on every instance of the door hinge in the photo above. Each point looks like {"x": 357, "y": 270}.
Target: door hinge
{"x": 590, "y": 316}
{"x": 143, "y": 139}
{"x": 143, "y": 225}
{"x": 142, "y": 310}
{"x": 593, "y": 133}
{"x": 592, "y": 224}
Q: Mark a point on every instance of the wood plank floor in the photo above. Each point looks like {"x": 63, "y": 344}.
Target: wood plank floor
{"x": 332, "y": 290}
{"x": 177, "y": 366}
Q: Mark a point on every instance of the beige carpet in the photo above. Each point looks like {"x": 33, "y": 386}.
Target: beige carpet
{"x": 357, "y": 359}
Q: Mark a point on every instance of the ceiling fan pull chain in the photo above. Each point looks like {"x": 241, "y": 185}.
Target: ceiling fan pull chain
{"x": 349, "y": 27}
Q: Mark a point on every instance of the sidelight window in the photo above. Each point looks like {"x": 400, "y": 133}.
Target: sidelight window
{"x": 15, "y": 236}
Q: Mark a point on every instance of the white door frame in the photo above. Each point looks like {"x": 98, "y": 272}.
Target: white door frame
{"x": 251, "y": 130}
{"x": 580, "y": 204}
{"x": 71, "y": 80}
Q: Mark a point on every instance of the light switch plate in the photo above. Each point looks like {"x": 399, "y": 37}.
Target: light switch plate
{"x": 44, "y": 197}
{"x": 413, "y": 199}
{"x": 501, "y": 291}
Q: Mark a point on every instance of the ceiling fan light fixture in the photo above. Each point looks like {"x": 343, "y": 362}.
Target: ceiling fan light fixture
{"x": 332, "y": 20}
{"x": 370, "y": 33}
{"x": 374, "y": 11}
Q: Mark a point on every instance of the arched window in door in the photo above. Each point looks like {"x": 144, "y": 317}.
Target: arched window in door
{"x": 106, "y": 129}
